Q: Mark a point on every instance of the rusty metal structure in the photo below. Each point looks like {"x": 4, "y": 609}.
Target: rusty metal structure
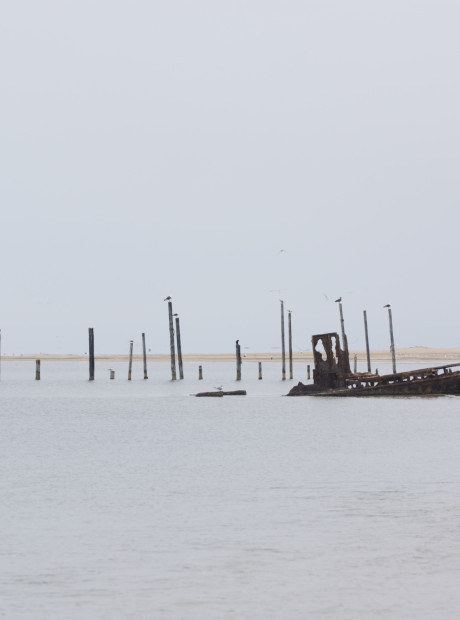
{"x": 332, "y": 376}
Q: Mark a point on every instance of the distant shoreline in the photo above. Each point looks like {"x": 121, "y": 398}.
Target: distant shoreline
{"x": 409, "y": 354}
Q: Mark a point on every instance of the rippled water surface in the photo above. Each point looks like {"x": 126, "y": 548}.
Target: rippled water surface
{"x": 135, "y": 500}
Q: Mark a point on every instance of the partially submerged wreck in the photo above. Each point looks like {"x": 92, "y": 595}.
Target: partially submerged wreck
{"x": 332, "y": 376}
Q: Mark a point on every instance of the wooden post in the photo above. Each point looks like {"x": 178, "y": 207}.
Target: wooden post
{"x": 290, "y": 343}
{"x": 171, "y": 342}
{"x": 200, "y": 373}
{"x": 91, "y": 353}
{"x": 238, "y": 361}
{"x": 0, "y": 353}
{"x": 355, "y": 363}
{"x": 37, "y": 370}
{"x": 283, "y": 349}
{"x": 144, "y": 353}
{"x": 130, "y": 359}
{"x": 112, "y": 373}
{"x": 367, "y": 342}
{"x": 260, "y": 371}
{"x": 179, "y": 349}
{"x": 393, "y": 352}
{"x": 308, "y": 372}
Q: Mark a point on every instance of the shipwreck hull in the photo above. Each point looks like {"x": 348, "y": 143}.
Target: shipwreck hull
{"x": 390, "y": 385}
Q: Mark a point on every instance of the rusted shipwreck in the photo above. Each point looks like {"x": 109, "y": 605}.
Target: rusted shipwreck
{"x": 332, "y": 376}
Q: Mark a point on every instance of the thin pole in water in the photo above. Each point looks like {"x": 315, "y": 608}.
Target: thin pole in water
{"x": 130, "y": 359}
{"x": 283, "y": 348}
{"x": 91, "y": 353}
{"x": 290, "y": 344}
{"x": 144, "y": 353}
{"x": 37, "y": 370}
{"x": 238, "y": 360}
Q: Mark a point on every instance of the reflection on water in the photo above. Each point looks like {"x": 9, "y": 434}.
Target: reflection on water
{"x": 135, "y": 500}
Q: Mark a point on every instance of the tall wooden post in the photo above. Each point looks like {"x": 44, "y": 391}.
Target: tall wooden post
{"x": 308, "y": 372}
{"x": 260, "y": 371}
{"x": 290, "y": 344}
{"x": 144, "y": 354}
{"x": 238, "y": 361}
{"x": 91, "y": 353}
{"x": 130, "y": 367}
{"x": 171, "y": 342}
{"x": 37, "y": 370}
{"x": 393, "y": 352}
{"x": 179, "y": 349}
{"x": 200, "y": 373}
{"x": 283, "y": 348}
{"x": 355, "y": 363}
{"x": 367, "y": 342}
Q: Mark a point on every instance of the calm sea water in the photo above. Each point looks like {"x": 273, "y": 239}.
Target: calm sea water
{"x": 135, "y": 500}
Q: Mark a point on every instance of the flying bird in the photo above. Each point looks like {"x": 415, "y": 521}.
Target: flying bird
{"x": 338, "y": 300}
{"x": 167, "y": 298}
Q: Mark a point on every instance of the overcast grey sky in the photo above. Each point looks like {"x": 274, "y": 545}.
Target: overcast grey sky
{"x": 174, "y": 148}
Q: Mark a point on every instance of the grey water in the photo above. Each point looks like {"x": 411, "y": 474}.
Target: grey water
{"x": 136, "y": 500}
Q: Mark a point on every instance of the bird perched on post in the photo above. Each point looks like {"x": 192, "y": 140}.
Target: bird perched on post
{"x": 387, "y": 306}
{"x": 338, "y": 300}
{"x": 167, "y": 298}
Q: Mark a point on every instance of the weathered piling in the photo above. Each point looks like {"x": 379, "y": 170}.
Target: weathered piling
{"x": 308, "y": 372}
{"x": 91, "y": 353}
{"x": 37, "y": 370}
{"x": 171, "y": 342}
{"x": 144, "y": 353}
{"x": 200, "y": 373}
{"x": 130, "y": 366}
{"x": 344, "y": 336}
{"x": 179, "y": 349}
{"x": 392, "y": 342}
{"x": 290, "y": 344}
{"x": 260, "y": 371}
{"x": 368, "y": 354}
{"x": 355, "y": 363}
{"x": 111, "y": 373}
{"x": 283, "y": 348}
{"x": 238, "y": 361}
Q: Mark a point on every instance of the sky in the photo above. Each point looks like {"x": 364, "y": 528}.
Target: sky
{"x": 228, "y": 154}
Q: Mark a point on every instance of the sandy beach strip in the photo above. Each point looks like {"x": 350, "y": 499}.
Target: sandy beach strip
{"x": 410, "y": 354}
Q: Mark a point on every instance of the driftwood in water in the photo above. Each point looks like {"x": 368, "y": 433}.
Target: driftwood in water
{"x": 218, "y": 394}
{"x": 221, "y": 393}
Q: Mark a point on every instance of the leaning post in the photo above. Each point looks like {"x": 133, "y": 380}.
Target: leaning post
{"x": 393, "y": 352}
{"x": 171, "y": 342}
{"x": 91, "y": 353}
{"x": 179, "y": 349}
{"x": 367, "y": 343}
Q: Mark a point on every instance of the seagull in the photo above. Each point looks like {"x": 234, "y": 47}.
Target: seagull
{"x": 167, "y": 298}
{"x": 237, "y": 341}
{"x": 175, "y": 314}
{"x": 218, "y": 388}
{"x": 338, "y": 300}
{"x": 387, "y": 306}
